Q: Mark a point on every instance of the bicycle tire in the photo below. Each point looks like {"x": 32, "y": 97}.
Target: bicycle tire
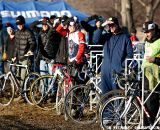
{"x": 60, "y": 96}
{"x": 107, "y": 96}
{"x": 41, "y": 96}
{"x": 78, "y": 99}
{"x": 7, "y": 91}
{"x": 112, "y": 110}
{"x": 27, "y": 84}
{"x": 59, "y": 99}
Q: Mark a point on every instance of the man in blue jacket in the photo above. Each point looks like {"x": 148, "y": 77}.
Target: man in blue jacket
{"x": 94, "y": 32}
{"x": 117, "y": 48}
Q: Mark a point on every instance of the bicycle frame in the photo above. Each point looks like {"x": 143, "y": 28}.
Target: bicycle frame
{"x": 57, "y": 73}
{"x": 132, "y": 97}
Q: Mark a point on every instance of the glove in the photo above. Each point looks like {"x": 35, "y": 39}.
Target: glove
{"x": 29, "y": 53}
{"x": 14, "y": 59}
{"x": 4, "y": 56}
{"x": 72, "y": 59}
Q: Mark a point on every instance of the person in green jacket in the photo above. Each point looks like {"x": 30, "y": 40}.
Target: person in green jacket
{"x": 151, "y": 70}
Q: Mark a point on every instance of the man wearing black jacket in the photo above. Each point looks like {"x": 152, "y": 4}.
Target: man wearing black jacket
{"x": 44, "y": 57}
{"x": 25, "y": 44}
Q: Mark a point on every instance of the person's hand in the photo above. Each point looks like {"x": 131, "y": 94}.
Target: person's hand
{"x": 14, "y": 59}
{"x": 29, "y": 53}
{"x": 150, "y": 59}
{"x": 4, "y": 56}
{"x": 40, "y": 20}
{"x": 104, "y": 23}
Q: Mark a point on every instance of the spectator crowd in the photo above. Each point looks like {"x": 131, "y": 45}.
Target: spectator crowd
{"x": 65, "y": 40}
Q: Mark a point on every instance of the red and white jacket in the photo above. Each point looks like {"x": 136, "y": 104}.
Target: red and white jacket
{"x": 76, "y": 46}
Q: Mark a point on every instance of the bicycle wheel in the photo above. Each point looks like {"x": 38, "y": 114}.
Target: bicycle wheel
{"x": 112, "y": 118}
{"x": 81, "y": 104}
{"x": 62, "y": 90}
{"x": 60, "y": 99}
{"x": 42, "y": 92}
{"x": 6, "y": 90}
{"x": 110, "y": 94}
{"x": 27, "y": 84}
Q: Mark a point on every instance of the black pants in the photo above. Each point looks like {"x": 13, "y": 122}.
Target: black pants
{"x": 152, "y": 104}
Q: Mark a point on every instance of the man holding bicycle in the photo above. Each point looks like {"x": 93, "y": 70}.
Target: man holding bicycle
{"x": 116, "y": 49}
{"x": 151, "y": 69}
{"x": 25, "y": 44}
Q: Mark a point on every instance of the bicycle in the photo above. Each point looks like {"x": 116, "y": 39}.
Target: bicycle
{"x": 82, "y": 101}
{"x": 10, "y": 85}
{"x": 48, "y": 91}
{"x": 122, "y": 111}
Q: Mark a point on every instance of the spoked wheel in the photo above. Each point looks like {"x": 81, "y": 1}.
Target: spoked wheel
{"x": 112, "y": 117}
{"x": 6, "y": 91}
{"x": 60, "y": 99}
{"x": 81, "y": 104}
{"x": 27, "y": 85}
{"x": 43, "y": 92}
{"x": 62, "y": 90}
{"x": 110, "y": 94}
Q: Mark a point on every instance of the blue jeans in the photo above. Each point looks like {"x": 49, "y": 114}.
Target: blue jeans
{"x": 46, "y": 68}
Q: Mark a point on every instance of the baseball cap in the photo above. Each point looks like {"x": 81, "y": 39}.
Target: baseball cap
{"x": 9, "y": 26}
{"x": 45, "y": 20}
{"x": 100, "y": 18}
{"x": 112, "y": 20}
{"x": 20, "y": 20}
{"x": 147, "y": 26}
{"x": 73, "y": 20}
{"x": 53, "y": 17}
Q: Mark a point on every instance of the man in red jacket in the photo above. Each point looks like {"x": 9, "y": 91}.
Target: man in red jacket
{"x": 76, "y": 43}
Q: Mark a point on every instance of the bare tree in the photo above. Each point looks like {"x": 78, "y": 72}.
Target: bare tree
{"x": 150, "y": 8}
{"x": 127, "y": 14}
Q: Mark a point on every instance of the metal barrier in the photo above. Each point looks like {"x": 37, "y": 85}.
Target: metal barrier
{"x": 140, "y": 77}
{"x": 96, "y": 51}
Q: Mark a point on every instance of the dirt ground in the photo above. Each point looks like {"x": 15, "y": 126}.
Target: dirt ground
{"x": 21, "y": 116}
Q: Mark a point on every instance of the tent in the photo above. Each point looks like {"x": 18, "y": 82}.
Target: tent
{"x": 34, "y": 10}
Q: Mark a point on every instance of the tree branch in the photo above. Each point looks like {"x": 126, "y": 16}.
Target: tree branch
{"x": 155, "y": 6}
{"x": 141, "y": 2}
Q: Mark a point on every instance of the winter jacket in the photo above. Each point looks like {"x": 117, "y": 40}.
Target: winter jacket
{"x": 25, "y": 41}
{"x": 45, "y": 43}
{"x": 10, "y": 47}
{"x": 94, "y": 33}
{"x": 116, "y": 49}
{"x": 52, "y": 45}
{"x": 151, "y": 70}
{"x": 76, "y": 46}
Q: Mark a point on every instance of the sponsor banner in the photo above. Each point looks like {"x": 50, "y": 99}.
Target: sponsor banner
{"x": 34, "y": 10}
